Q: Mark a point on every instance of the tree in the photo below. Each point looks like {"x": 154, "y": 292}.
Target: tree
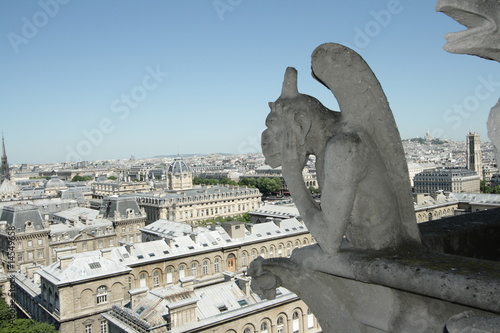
{"x": 10, "y": 324}
{"x": 250, "y": 182}
{"x": 79, "y": 178}
{"x": 484, "y": 188}
{"x": 112, "y": 177}
{"x": 267, "y": 186}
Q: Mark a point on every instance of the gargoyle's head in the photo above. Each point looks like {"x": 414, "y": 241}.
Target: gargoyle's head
{"x": 482, "y": 19}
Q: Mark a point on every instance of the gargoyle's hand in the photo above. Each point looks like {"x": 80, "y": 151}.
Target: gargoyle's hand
{"x": 263, "y": 282}
{"x": 293, "y": 155}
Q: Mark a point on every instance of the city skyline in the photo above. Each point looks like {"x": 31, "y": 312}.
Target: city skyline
{"x": 93, "y": 81}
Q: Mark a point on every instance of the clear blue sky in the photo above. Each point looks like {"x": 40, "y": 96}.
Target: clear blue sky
{"x": 66, "y": 72}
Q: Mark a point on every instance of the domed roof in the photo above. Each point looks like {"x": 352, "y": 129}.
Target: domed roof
{"x": 55, "y": 182}
{"x": 178, "y": 166}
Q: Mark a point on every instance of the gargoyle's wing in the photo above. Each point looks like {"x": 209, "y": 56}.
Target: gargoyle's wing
{"x": 364, "y": 106}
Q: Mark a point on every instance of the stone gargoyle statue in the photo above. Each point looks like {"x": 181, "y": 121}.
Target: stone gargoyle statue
{"x": 481, "y": 38}
{"x": 360, "y": 163}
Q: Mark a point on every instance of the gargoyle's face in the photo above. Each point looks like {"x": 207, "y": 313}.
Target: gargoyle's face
{"x": 273, "y": 138}
{"x": 482, "y": 19}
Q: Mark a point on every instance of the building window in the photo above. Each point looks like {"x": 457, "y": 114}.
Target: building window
{"x": 30, "y": 255}
{"x": 169, "y": 275}
{"x": 99, "y": 243}
{"x": 102, "y": 295}
{"x": 288, "y": 250}
{"x": 263, "y": 253}
{"x": 156, "y": 279}
{"x": 243, "y": 259}
{"x": 88, "y": 328}
{"x": 30, "y": 243}
{"x": 280, "y": 251}
{"x": 205, "y": 267}
{"x": 40, "y": 254}
{"x": 84, "y": 246}
{"x": 295, "y": 322}
{"x": 111, "y": 242}
{"x": 40, "y": 242}
{"x": 129, "y": 282}
{"x": 271, "y": 252}
{"x": 254, "y": 254}
{"x": 247, "y": 330}
{"x": 142, "y": 280}
{"x": 194, "y": 269}
{"x": 263, "y": 328}
{"x": 280, "y": 327}
{"x": 104, "y": 326}
{"x": 20, "y": 257}
{"x": 217, "y": 265}
{"x": 310, "y": 319}
{"x": 182, "y": 271}
{"x": 19, "y": 245}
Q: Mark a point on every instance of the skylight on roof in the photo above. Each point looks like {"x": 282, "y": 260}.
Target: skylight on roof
{"x": 151, "y": 254}
{"x": 140, "y": 256}
{"x": 95, "y": 265}
{"x": 242, "y": 302}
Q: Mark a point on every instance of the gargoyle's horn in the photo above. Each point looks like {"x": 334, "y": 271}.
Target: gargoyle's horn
{"x": 289, "y": 88}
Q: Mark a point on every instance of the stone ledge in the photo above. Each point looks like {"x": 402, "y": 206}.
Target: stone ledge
{"x": 470, "y": 282}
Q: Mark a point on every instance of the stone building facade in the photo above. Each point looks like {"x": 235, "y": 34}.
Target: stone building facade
{"x": 450, "y": 180}
{"x": 225, "y": 307}
{"x": 199, "y": 203}
{"x": 39, "y": 240}
{"x": 77, "y": 289}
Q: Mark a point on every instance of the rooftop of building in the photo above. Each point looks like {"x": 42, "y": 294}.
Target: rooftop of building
{"x": 82, "y": 266}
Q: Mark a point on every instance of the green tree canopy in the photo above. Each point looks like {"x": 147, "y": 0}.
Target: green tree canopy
{"x": 79, "y": 178}
{"x": 9, "y": 324}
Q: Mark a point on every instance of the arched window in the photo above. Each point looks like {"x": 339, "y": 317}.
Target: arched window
{"x": 217, "y": 265}
{"x": 156, "y": 278}
{"x": 288, "y": 249}
{"x": 247, "y": 330}
{"x": 142, "y": 280}
{"x": 205, "y": 267}
{"x": 244, "y": 259}
{"x": 297, "y": 244}
{"x": 263, "y": 252}
{"x": 310, "y": 319}
{"x": 102, "y": 295}
{"x": 271, "y": 251}
{"x": 182, "y": 271}
{"x": 254, "y": 254}
{"x": 296, "y": 322}
{"x": 280, "y": 250}
{"x": 280, "y": 327}
{"x": 194, "y": 269}
{"x": 169, "y": 275}
{"x": 263, "y": 327}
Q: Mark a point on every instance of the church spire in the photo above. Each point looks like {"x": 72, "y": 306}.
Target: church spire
{"x": 5, "y": 165}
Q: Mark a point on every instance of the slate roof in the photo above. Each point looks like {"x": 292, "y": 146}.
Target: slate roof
{"x": 20, "y": 214}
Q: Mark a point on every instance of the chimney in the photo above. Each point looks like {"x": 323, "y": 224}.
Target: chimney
{"x": 244, "y": 283}
{"x": 277, "y": 221}
{"x": 65, "y": 261}
{"x": 187, "y": 282}
{"x": 227, "y": 276}
{"x": 106, "y": 254}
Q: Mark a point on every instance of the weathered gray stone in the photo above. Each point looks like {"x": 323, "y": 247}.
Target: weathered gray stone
{"x": 481, "y": 38}
{"x": 470, "y": 322}
{"x": 358, "y": 152}
{"x": 382, "y": 280}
